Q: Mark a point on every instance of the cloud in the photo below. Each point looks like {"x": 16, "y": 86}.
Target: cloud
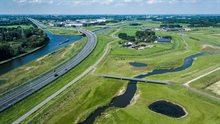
{"x": 34, "y": 1}
{"x": 102, "y": 2}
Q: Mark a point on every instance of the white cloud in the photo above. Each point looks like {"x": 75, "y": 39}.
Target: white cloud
{"x": 102, "y": 2}
{"x": 34, "y": 1}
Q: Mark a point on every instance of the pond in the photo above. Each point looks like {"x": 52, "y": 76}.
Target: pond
{"x": 137, "y": 64}
{"x": 167, "y": 108}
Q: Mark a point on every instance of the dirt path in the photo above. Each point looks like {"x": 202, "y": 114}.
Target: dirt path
{"x": 188, "y": 83}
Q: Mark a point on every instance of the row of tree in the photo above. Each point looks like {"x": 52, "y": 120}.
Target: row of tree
{"x": 170, "y": 26}
{"x": 140, "y": 36}
{"x": 14, "y": 21}
{"x": 193, "y": 21}
{"x": 15, "y": 41}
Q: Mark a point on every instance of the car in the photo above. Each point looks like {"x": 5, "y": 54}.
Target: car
{"x": 55, "y": 75}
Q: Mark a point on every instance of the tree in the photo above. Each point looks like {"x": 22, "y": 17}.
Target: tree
{"x": 123, "y": 36}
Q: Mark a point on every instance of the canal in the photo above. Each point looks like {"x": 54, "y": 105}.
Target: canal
{"x": 53, "y": 44}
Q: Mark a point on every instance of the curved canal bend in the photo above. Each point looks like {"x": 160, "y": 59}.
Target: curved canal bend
{"x": 124, "y": 99}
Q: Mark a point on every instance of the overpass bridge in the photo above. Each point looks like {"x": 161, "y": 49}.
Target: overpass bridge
{"x": 137, "y": 79}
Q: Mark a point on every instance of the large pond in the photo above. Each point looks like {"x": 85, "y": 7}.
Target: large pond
{"x": 55, "y": 42}
{"x": 167, "y": 108}
{"x": 125, "y": 99}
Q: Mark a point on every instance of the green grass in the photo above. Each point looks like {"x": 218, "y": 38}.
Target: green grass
{"x": 204, "y": 83}
{"x": 64, "y": 31}
{"x": 78, "y": 101}
{"x": 95, "y": 91}
{"x": 130, "y": 30}
{"x": 93, "y": 28}
{"x": 39, "y": 66}
{"x": 199, "y": 110}
{"x": 22, "y": 107}
{"x": 151, "y": 24}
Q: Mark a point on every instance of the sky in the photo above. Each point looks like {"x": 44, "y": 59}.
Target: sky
{"x": 75, "y": 7}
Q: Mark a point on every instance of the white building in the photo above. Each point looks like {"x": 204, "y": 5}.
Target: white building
{"x": 101, "y": 20}
{"x": 187, "y": 29}
{"x": 74, "y": 25}
{"x": 51, "y": 24}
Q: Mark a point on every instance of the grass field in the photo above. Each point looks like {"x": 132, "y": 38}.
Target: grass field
{"x": 199, "y": 110}
{"x": 64, "y": 31}
{"x": 39, "y": 66}
{"x": 81, "y": 99}
{"x": 20, "y": 108}
{"x": 209, "y": 84}
{"x": 93, "y": 28}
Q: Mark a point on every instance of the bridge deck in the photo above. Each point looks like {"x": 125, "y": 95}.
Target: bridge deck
{"x": 136, "y": 79}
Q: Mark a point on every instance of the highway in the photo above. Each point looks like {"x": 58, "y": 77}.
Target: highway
{"x": 90, "y": 69}
{"x": 15, "y": 95}
{"x": 136, "y": 79}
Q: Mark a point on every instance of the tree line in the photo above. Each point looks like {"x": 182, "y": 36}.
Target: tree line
{"x": 192, "y": 21}
{"x": 15, "y": 41}
{"x": 140, "y": 36}
{"x": 146, "y": 36}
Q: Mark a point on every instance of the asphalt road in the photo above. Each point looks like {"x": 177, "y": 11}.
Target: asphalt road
{"x": 15, "y": 95}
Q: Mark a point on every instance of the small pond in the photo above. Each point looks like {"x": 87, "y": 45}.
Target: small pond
{"x": 137, "y": 64}
{"x": 167, "y": 108}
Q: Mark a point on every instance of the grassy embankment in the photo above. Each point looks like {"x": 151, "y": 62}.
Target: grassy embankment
{"x": 209, "y": 84}
{"x": 22, "y": 107}
{"x": 37, "y": 67}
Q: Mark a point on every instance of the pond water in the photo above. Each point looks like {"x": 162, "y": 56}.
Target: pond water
{"x": 125, "y": 99}
{"x": 137, "y": 64}
{"x": 167, "y": 108}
